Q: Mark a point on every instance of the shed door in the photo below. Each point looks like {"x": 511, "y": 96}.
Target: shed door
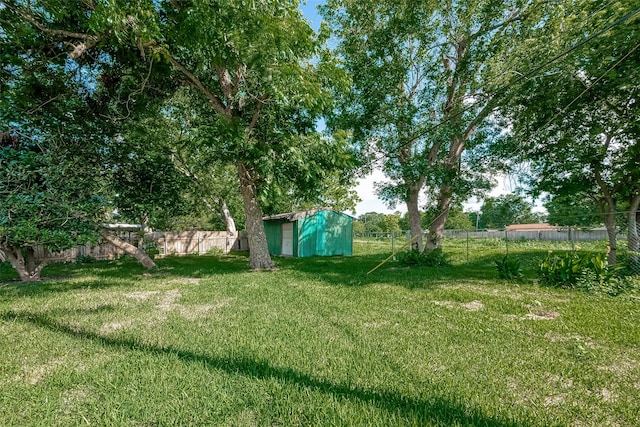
{"x": 287, "y": 238}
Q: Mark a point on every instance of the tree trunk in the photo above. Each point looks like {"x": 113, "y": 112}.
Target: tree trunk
{"x": 633, "y": 236}
{"x": 259, "y": 258}
{"x": 436, "y": 229}
{"x": 414, "y": 216}
{"x": 608, "y": 210}
{"x": 31, "y": 259}
{"x": 128, "y": 248}
{"x": 28, "y": 270}
{"x": 223, "y": 213}
{"x": 610, "y": 224}
{"x": 229, "y": 223}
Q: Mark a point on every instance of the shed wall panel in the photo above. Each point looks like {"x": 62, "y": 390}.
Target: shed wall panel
{"x": 307, "y": 235}
{"x": 273, "y": 230}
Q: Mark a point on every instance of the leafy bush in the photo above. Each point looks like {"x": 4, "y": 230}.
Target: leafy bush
{"x": 509, "y": 268}
{"x": 85, "y": 259}
{"x": 614, "y": 286}
{"x": 427, "y": 258}
{"x": 588, "y": 271}
{"x": 150, "y": 248}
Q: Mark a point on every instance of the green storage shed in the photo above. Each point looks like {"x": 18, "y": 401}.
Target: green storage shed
{"x": 318, "y": 232}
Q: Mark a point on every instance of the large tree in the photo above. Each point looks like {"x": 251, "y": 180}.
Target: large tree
{"x": 498, "y": 212}
{"x": 61, "y": 114}
{"x": 583, "y": 142}
{"x": 41, "y": 209}
{"x": 252, "y": 62}
{"x": 424, "y": 87}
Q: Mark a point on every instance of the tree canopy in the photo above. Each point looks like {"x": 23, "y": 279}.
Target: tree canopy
{"x": 260, "y": 73}
{"x": 426, "y": 77}
{"x": 582, "y": 142}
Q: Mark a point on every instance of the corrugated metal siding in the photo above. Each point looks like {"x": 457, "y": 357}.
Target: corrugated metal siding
{"x": 295, "y": 238}
{"x": 337, "y": 234}
{"x": 273, "y": 229}
{"x": 307, "y": 232}
{"x": 325, "y": 233}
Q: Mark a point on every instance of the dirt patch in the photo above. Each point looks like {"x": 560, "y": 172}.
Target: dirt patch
{"x": 558, "y": 399}
{"x": 71, "y": 399}
{"x": 111, "y": 327}
{"x": 621, "y": 368}
{"x": 558, "y": 381}
{"x": 448, "y": 304}
{"x": 607, "y": 395}
{"x": 556, "y": 337}
{"x": 542, "y": 315}
{"x": 34, "y": 374}
{"x": 168, "y": 300}
{"x": 474, "y": 305}
{"x": 141, "y": 295}
{"x": 185, "y": 281}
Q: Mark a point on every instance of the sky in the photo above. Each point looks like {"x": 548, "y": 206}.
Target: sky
{"x": 365, "y": 186}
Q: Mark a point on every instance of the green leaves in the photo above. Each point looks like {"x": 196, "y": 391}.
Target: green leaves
{"x": 573, "y": 269}
{"x": 37, "y": 208}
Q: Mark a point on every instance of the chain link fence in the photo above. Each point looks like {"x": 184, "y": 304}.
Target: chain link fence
{"x": 465, "y": 246}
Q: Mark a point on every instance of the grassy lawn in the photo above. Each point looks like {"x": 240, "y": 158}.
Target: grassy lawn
{"x": 202, "y": 341}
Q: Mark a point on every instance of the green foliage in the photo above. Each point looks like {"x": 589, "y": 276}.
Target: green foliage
{"x": 151, "y": 248}
{"x": 572, "y": 210}
{"x": 41, "y": 204}
{"x": 414, "y": 67}
{"x": 427, "y": 258}
{"x": 457, "y": 219}
{"x": 85, "y": 259}
{"x": 498, "y": 212}
{"x": 580, "y": 145}
{"x": 509, "y": 268}
{"x": 358, "y": 227}
{"x": 373, "y": 222}
{"x": 586, "y": 271}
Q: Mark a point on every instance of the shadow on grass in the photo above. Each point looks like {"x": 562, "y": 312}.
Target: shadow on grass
{"x": 436, "y": 409}
{"x": 335, "y": 271}
{"x": 122, "y": 272}
{"x": 353, "y": 271}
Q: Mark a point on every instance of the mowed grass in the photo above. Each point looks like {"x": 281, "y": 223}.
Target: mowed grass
{"x": 203, "y": 341}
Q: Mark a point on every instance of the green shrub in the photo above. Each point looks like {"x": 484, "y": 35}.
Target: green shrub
{"x": 151, "y": 248}
{"x": 614, "y": 286}
{"x": 588, "y": 271}
{"x": 509, "y": 268}
{"x": 427, "y": 258}
{"x": 85, "y": 259}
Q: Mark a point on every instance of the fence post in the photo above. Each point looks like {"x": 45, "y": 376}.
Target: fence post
{"x": 393, "y": 243}
{"x": 165, "y": 243}
{"x": 467, "y": 246}
{"x": 506, "y": 240}
{"x": 573, "y": 245}
{"x": 198, "y": 243}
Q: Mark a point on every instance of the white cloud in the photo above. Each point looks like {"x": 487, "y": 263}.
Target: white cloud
{"x": 371, "y": 203}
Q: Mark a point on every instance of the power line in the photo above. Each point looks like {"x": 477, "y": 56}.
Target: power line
{"x": 586, "y": 89}
{"x": 530, "y": 74}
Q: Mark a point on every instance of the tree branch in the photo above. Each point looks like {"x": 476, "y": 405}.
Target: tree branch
{"x": 215, "y": 101}
{"x": 256, "y": 113}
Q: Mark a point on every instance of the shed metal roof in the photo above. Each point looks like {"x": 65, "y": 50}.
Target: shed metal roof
{"x": 294, "y": 216}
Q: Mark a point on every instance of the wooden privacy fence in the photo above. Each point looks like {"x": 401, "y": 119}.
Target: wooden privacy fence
{"x": 198, "y": 242}
{"x": 160, "y": 243}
